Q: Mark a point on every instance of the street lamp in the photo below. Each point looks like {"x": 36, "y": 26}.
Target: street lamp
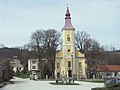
{"x": 72, "y": 67}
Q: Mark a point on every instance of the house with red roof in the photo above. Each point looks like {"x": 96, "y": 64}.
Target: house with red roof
{"x": 106, "y": 71}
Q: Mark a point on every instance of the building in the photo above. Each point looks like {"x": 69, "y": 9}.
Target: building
{"x": 16, "y": 65}
{"x": 106, "y": 71}
{"x": 33, "y": 68}
{"x": 69, "y": 63}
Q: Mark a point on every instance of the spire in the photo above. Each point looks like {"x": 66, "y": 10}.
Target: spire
{"x": 67, "y": 14}
{"x": 68, "y": 24}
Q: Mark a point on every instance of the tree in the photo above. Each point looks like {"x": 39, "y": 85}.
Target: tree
{"x": 94, "y": 53}
{"x": 52, "y": 42}
{"x": 44, "y": 44}
{"x": 37, "y": 43}
{"x": 46, "y": 69}
{"x": 82, "y": 40}
{"x": 7, "y": 72}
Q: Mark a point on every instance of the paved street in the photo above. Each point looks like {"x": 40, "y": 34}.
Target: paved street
{"x": 26, "y": 84}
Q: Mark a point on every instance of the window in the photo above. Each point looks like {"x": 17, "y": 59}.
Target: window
{"x": 68, "y": 37}
{"x": 69, "y": 63}
{"x": 33, "y": 61}
{"x": 33, "y": 67}
{"x": 58, "y": 74}
{"x": 20, "y": 68}
{"x": 69, "y": 73}
{"x": 68, "y": 50}
{"x": 58, "y": 65}
{"x": 79, "y": 65}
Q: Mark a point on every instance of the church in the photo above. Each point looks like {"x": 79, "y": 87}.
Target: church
{"x": 69, "y": 62}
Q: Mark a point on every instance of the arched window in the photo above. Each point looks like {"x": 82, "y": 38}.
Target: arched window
{"x": 79, "y": 65}
{"x": 68, "y": 37}
{"x": 58, "y": 65}
{"x": 69, "y": 63}
{"x": 58, "y": 74}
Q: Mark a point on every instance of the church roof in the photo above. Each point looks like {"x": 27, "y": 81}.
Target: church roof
{"x": 68, "y": 25}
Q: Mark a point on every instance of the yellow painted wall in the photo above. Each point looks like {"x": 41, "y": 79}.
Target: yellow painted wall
{"x": 59, "y": 53}
{"x": 66, "y": 56}
{"x": 65, "y": 33}
{"x": 79, "y": 54}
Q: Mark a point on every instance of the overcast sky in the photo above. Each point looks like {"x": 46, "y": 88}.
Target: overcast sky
{"x": 20, "y": 18}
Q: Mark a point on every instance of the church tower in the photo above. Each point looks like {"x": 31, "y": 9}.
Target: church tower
{"x": 69, "y": 63}
{"x": 68, "y": 45}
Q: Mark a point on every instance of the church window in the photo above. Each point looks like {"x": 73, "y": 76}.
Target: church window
{"x": 79, "y": 65}
{"x": 58, "y": 65}
{"x": 69, "y": 63}
{"x": 58, "y": 74}
{"x": 68, "y": 37}
{"x": 68, "y": 50}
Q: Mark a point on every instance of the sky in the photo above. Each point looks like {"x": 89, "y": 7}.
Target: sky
{"x": 20, "y": 18}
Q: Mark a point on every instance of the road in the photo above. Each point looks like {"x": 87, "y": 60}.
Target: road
{"x": 26, "y": 84}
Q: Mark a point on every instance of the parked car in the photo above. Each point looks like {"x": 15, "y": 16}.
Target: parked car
{"x": 112, "y": 83}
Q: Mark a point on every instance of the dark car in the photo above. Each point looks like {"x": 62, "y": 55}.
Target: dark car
{"x": 112, "y": 83}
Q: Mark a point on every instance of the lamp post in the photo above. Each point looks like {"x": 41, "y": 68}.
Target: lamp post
{"x": 72, "y": 67}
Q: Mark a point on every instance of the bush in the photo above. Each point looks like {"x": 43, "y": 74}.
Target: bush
{"x": 7, "y": 72}
{"x": 96, "y": 81}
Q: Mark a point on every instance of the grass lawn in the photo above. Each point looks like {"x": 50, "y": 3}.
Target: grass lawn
{"x": 96, "y": 80}
{"x": 22, "y": 75}
{"x": 60, "y": 83}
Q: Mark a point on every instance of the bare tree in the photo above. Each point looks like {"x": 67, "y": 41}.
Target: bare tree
{"x": 82, "y": 40}
{"x": 37, "y": 44}
{"x": 52, "y": 41}
{"x": 44, "y": 44}
{"x": 93, "y": 53}
{"x": 91, "y": 48}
